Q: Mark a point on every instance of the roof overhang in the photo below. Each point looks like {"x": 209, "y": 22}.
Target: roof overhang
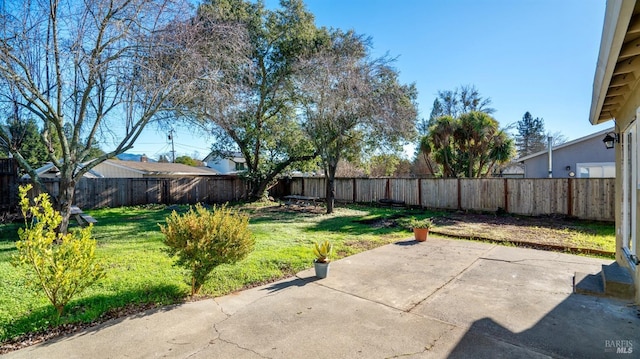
{"x": 618, "y": 67}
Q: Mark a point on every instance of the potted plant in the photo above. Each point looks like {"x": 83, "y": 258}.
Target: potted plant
{"x": 421, "y": 228}
{"x": 323, "y": 258}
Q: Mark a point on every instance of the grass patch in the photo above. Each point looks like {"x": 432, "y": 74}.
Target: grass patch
{"x": 139, "y": 272}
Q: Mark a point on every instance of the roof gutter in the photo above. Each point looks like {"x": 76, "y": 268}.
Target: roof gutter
{"x": 616, "y": 21}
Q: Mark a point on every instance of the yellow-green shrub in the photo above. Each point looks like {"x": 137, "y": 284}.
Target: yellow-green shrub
{"x": 62, "y": 265}
{"x": 203, "y": 239}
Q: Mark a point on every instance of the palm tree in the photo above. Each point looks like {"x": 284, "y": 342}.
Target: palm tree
{"x": 470, "y": 145}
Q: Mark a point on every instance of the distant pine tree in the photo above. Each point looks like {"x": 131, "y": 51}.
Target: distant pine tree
{"x": 531, "y": 137}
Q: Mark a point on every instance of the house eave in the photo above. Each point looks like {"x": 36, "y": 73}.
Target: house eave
{"x": 616, "y": 22}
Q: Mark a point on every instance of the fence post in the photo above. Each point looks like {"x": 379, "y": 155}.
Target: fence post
{"x": 355, "y": 190}
{"x": 420, "y": 192}
{"x": 506, "y": 195}
{"x": 387, "y": 190}
{"x": 459, "y": 196}
{"x": 570, "y": 197}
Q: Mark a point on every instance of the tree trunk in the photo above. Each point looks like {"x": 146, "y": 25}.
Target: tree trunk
{"x": 65, "y": 200}
{"x": 258, "y": 185}
{"x": 330, "y": 174}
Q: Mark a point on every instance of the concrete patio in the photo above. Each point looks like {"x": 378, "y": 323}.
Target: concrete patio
{"x": 437, "y": 299}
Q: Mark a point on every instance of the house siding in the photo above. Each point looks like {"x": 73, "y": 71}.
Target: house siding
{"x": 625, "y": 118}
{"x": 588, "y": 151}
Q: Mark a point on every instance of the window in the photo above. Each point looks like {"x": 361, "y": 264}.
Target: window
{"x": 596, "y": 170}
{"x": 239, "y": 166}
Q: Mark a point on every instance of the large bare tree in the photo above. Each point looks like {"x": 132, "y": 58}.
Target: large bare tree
{"x": 352, "y": 103}
{"x": 102, "y": 67}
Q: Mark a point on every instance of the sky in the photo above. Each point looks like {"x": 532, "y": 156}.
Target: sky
{"x": 525, "y": 55}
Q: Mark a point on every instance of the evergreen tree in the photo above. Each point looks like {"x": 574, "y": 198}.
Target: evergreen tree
{"x": 436, "y": 111}
{"x": 531, "y": 137}
{"x": 24, "y": 136}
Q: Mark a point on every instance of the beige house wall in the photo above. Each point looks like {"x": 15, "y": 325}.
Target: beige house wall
{"x": 626, "y": 116}
{"x": 619, "y": 16}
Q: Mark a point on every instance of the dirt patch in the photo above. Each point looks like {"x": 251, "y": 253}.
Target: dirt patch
{"x": 548, "y": 232}
{"x": 385, "y": 222}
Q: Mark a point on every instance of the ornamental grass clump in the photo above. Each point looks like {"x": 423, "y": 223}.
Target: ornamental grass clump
{"x": 203, "y": 239}
{"x": 322, "y": 251}
{"x": 62, "y": 265}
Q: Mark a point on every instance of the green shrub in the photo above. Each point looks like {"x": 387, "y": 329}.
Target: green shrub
{"x": 62, "y": 265}
{"x": 203, "y": 239}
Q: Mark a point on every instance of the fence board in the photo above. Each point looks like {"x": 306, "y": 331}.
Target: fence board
{"x": 591, "y": 198}
{"x": 405, "y": 190}
{"x": 369, "y": 190}
{"x": 118, "y": 192}
{"x": 538, "y": 196}
{"x": 344, "y": 189}
{"x": 439, "y": 193}
{"x": 484, "y": 194}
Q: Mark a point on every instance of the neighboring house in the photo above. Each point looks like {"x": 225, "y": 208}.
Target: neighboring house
{"x": 585, "y": 157}
{"x": 616, "y": 96}
{"x": 511, "y": 170}
{"x": 49, "y": 170}
{"x": 135, "y": 157}
{"x": 132, "y": 169}
{"x": 230, "y": 164}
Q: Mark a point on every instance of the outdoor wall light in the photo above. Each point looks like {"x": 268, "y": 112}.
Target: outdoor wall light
{"x": 610, "y": 140}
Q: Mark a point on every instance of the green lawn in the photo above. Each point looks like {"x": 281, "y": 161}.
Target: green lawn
{"x": 139, "y": 272}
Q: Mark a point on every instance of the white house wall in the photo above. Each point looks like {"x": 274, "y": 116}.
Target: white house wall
{"x": 223, "y": 167}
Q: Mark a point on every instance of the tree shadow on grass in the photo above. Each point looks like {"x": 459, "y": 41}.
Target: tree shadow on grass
{"x": 92, "y": 314}
{"x": 9, "y": 231}
{"x": 279, "y": 215}
{"x": 356, "y": 225}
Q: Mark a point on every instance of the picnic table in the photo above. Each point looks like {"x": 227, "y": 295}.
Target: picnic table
{"x": 301, "y": 200}
{"x": 82, "y": 218}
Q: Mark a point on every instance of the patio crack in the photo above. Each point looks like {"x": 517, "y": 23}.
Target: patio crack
{"x": 519, "y": 261}
{"x": 457, "y": 276}
{"x": 221, "y": 309}
{"x": 219, "y": 338}
{"x": 426, "y": 348}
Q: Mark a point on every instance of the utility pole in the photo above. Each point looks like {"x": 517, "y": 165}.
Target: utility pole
{"x": 173, "y": 150}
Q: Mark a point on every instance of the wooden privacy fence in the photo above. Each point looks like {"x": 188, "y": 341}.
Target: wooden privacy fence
{"x": 8, "y": 183}
{"x": 585, "y": 198}
{"x": 117, "y": 192}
